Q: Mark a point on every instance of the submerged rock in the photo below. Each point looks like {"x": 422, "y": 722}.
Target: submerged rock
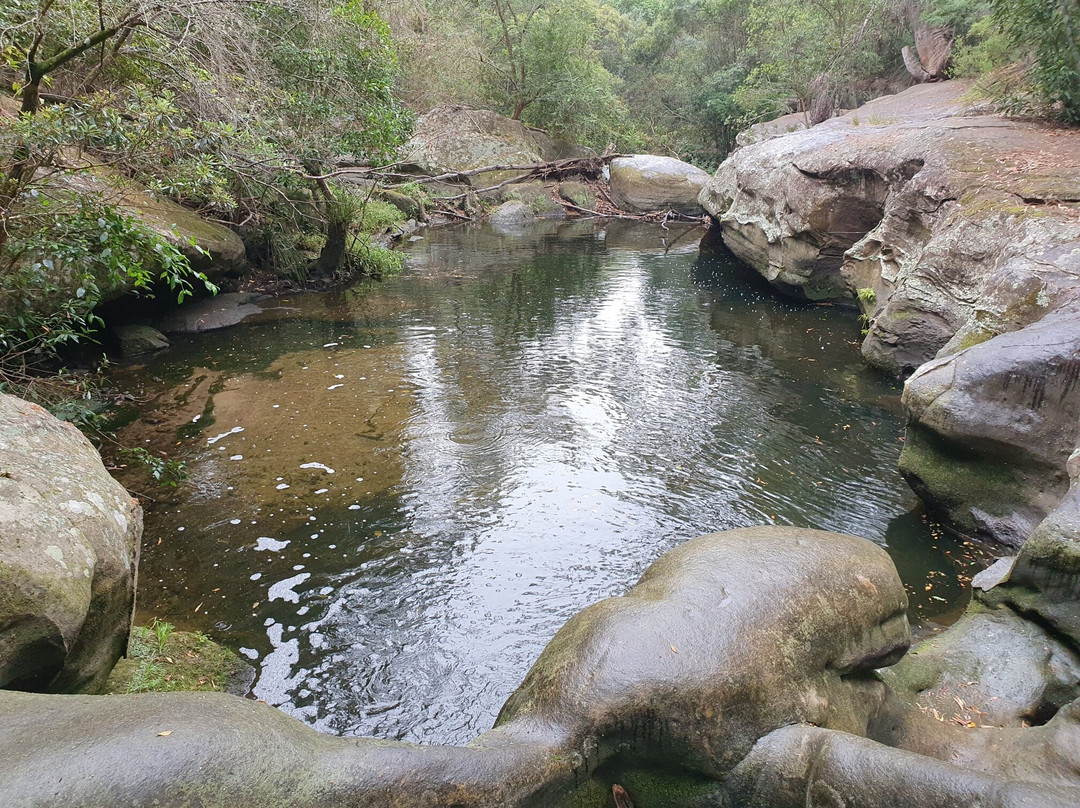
{"x": 647, "y": 182}
{"x": 139, "y": 339}
{"x": 511, "y": 217}
{"x": 69, "y": 538}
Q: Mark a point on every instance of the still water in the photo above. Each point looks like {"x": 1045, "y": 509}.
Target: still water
{"x": 398, "y": 493}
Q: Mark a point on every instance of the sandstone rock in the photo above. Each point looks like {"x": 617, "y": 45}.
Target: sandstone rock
{"x": 139, "y": 339}
{"x": 210, "y": 314}
{"x": 809, "y": 767}
{"x": 785, "y": 124}
{"x": 537, "y": 195}
{"x": 578, "y": 193}
{"x": 211, "y": 247}
{"x": 724, "y": 639}
{"x": 960, "y": 226}
{"x": 511, "y": 216}
{"x": 459, "y": 139}
{"x": 69, "y": 537}
{"x": 648, "y": 182}
{"x": 1006, "y": 671}
{"x": 990, "y": 428}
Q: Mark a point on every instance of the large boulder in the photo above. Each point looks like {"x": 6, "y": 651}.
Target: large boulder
{"x": 724, "y": 640}
{"x": 991, "y": 428}
{"x": 454, "y": 139}
{"x": 647, "y": 182}
{"x": 945, "y": 228}
{"x": 69, "y": 538}
{"x": 210, "y": 247}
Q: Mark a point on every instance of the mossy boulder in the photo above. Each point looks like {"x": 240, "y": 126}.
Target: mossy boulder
{"x": 511, "y": 217}
{"x": 991, "y": 428}
{"x": 69, "y": 538}
{"x": 644, "y": 183}
{"x": 454, "y": 138}
{"x": 160, "y": 659}
{"x": 135, "y": 340}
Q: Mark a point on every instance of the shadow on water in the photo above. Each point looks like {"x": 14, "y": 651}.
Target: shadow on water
{"x": 399, "y": 493}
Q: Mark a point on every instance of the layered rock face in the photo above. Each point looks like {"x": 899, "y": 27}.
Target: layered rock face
{"x": 960, "y": 226}
{"x": 949, "y": 231}
{"x": 69, "y": 537}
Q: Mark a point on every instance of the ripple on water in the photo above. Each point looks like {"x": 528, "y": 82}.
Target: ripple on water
{"x": 505, "y": 448}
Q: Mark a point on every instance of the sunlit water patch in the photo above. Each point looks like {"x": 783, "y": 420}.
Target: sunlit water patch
{"x": 399, "y": 493}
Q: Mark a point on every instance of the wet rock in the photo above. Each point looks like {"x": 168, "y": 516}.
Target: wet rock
{"x": 69, "y": 537}
{"x": 992, "y": 668}
{"x": 724, "y": 640}
{"x": 511, "y": 216}
{"x": 647, "y": 182}
{"x": 210, "y": 314}
{"x": 139, "y": 339}
{"x": 809, "y": 767}
{"x": 990, "y": 428}
{"x": 1045, "y": 580}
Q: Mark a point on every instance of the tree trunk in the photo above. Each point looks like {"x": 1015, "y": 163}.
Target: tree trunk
{"x": 332, "y": 256}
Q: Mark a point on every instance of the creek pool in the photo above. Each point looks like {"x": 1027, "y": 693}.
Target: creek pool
{"x": 399, "y": 492}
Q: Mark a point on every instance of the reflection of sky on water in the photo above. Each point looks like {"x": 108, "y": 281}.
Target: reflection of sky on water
{"x": 434, "y": 477}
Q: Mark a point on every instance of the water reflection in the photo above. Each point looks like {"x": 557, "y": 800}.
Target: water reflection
{"x": 399, "y": 496}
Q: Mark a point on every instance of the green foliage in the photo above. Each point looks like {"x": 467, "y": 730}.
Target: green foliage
{"x": 1049, "y": 30}
{"x": 867, "y": 295}
{"x": 985, "y": 49}
{"x": 167, "y": 473}
{"x": 959, "y": 15}
{"x": 542, "y": 66}
{"x": 811, "y": 50}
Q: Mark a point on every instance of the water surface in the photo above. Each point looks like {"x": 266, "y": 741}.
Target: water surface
{"x": 400, "y": 492}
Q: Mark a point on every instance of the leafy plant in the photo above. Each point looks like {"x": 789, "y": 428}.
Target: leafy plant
{"x": 169, "y": 473}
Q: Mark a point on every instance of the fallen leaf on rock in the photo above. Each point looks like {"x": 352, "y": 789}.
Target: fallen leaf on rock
{"x": 165, "y": 733}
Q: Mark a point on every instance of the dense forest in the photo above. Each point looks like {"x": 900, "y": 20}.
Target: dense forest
{"x": 239, "y": 109}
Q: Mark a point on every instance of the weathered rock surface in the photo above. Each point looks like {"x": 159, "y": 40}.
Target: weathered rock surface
{"x": 136, "y": 340}
{"x": 990, "y": 428}
{"x": 669, "y": 675}
{"x": 947, "y": 231}
{"x": 960, "y": 226}
{"x": 210, "y": 247}
{"x": 648, "y": 182}
{"x": 69, "y": 537}
{"x": 991, "y": 668}
{"x": 459, "y": 139}
{"x": 210, "y": 314}
{"x": 511, "y": 217}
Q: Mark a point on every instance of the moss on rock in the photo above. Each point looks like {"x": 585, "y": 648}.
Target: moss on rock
{"x": 161, "y": 660}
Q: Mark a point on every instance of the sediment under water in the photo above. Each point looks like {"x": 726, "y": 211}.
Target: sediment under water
{"x": 399, "y": 492}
